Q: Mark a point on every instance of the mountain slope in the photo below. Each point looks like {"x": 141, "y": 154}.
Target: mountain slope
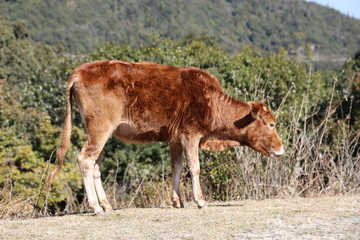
{"x": 269, "y": 24}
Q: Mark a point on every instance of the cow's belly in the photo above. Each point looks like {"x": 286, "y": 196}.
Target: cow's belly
{"x": 129, "y": 133}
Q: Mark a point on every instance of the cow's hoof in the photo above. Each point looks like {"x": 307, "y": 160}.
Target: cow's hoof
{"x": 100, "y": 213}
{"x": 178, "y": 204}
{"x": 109, "y": 210}
{"x": 203, "y": 207}
{"x": 202, "y": 204}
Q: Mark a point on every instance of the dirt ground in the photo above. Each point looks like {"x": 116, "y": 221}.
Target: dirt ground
{"x": 299, "y": 218}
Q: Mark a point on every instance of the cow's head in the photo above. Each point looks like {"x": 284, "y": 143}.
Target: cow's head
{"x": 260, "y": 132}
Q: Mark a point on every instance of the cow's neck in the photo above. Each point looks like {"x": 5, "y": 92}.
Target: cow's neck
{"x": 227, "y": 112}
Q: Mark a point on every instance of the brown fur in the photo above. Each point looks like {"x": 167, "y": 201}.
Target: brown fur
{"x": 147, "y": 102}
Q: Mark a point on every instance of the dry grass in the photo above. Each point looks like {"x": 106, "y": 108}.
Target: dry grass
{"x": 297, "y": 218}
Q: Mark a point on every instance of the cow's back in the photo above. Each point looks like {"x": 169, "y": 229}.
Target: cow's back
{"x": 150, "y": 102}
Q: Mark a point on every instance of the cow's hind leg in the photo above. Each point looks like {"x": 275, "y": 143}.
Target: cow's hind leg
{"x": 104, "y": 203}
{"x": 176, "y": 152}
{"x": 87, "y": 160}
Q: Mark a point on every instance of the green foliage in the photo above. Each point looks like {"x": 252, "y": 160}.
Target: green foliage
{"x": 25, "y": 145}
{"x": 349, "y": 85}
{"x": 27, "y": 135}
{"x": 219, "y": 169}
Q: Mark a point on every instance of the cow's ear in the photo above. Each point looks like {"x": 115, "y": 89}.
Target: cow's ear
{"x": 254, "y": 108}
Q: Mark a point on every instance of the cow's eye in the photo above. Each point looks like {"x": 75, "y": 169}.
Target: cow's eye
{"x": 272, "y": 125}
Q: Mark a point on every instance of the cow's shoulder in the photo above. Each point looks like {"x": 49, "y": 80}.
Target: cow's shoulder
{"x": 198, "y": 77}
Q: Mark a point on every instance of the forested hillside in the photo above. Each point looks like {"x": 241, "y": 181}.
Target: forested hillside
{"x": 268, "y": 24}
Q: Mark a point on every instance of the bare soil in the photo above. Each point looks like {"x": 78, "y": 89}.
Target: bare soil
{"x": 297, "y": 218}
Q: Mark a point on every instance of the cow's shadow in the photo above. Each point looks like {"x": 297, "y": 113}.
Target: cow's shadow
{"x": 226, "y": 205}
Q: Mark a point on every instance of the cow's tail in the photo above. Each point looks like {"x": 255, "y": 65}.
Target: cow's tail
{"x": 65, "y": 140}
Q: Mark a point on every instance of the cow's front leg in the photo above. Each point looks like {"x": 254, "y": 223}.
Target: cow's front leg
{"x": 191, "y": 148}
{"x": 176, "y": 152}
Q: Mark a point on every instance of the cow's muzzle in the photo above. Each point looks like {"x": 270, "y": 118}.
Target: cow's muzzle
{"x": 279, "y": 152}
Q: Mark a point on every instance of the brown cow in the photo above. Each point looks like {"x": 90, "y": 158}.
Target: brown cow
{"x": 147, "y": 102}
